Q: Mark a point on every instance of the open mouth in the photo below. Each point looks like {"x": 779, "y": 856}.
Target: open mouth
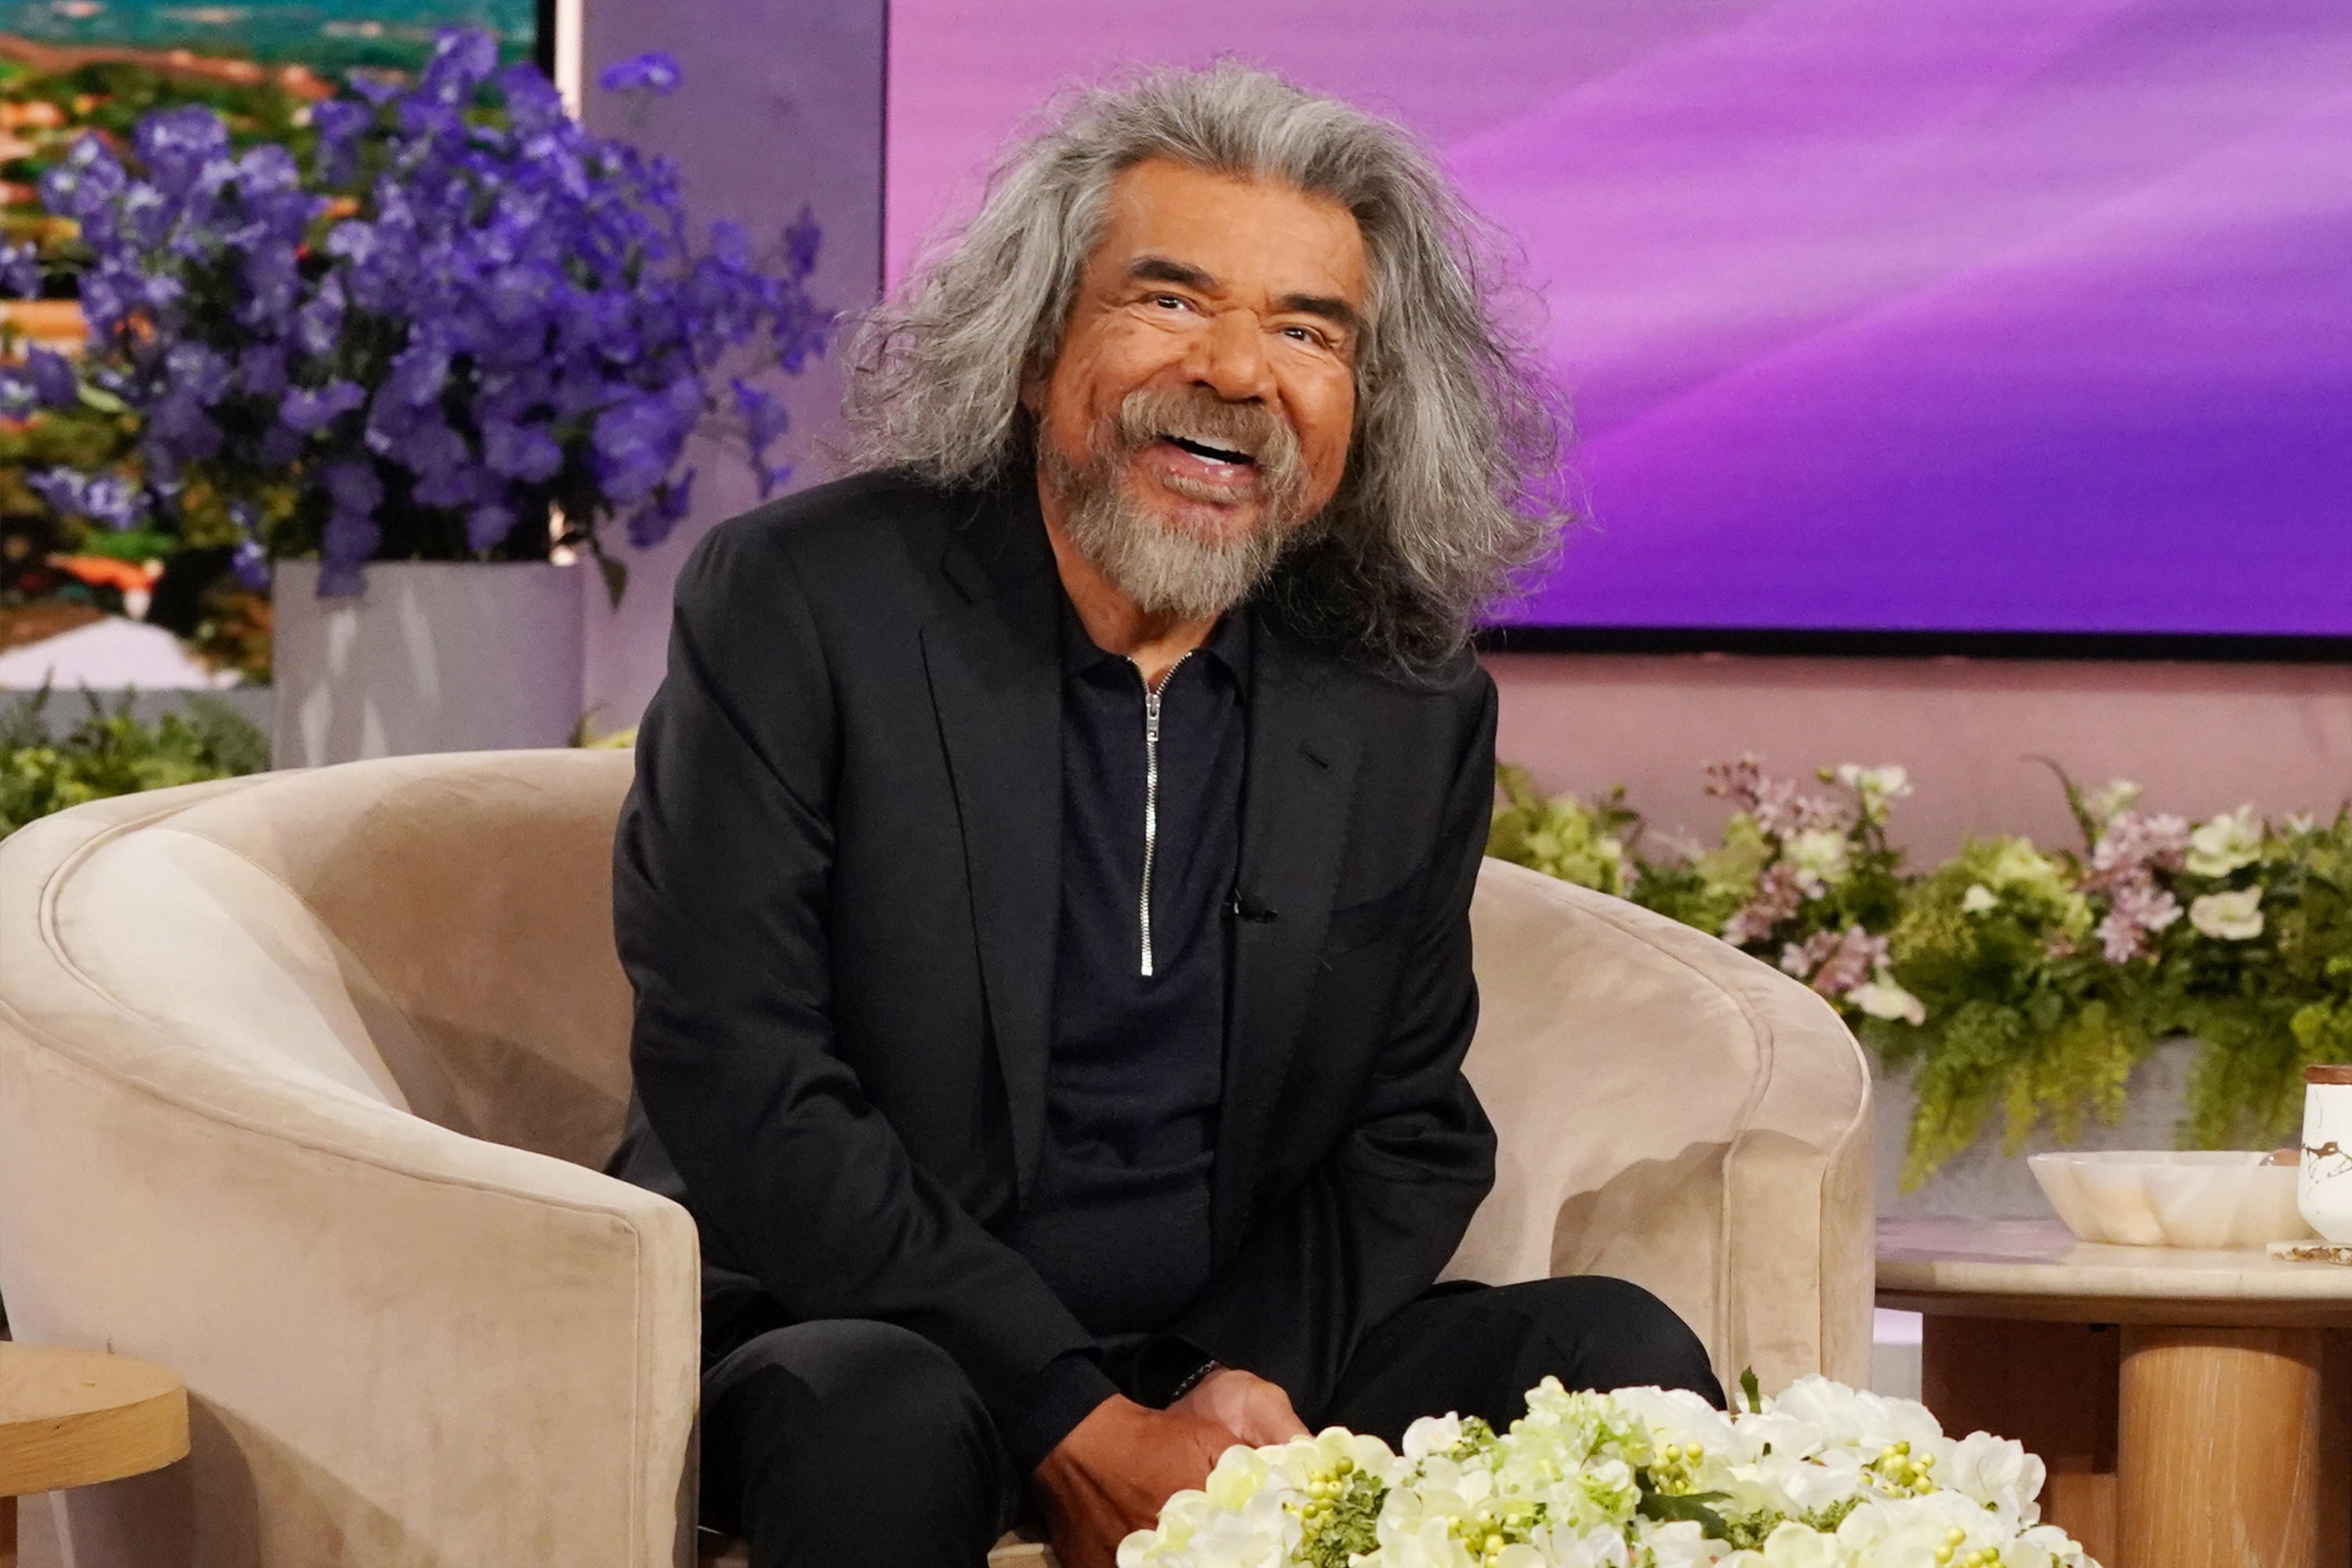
{"x": 1202, "y": 449}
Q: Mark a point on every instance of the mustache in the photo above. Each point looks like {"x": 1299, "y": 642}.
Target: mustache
{"x": 1198, "y": 414}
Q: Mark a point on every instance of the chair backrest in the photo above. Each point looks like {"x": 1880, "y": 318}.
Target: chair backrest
{"x": 434, "y": 932}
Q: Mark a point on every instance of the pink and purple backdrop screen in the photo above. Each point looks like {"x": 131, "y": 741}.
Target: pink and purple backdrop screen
{"x": 1946, "y": 315}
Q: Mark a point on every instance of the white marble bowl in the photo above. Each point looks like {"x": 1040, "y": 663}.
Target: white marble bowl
{"x": 2173, "y": 1198}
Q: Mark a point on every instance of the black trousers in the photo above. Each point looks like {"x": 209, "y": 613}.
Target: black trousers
{"x": 849, "y": 1441}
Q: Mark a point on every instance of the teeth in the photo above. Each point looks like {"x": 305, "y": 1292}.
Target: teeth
{"x": 1220, "y": 453}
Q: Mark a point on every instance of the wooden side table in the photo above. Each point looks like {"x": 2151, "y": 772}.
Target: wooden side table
{"x": 73, "y": 1418}
{"x": 2194, "y": 1408}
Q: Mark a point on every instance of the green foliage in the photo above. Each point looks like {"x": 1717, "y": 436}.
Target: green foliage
{"x": 2021, "y": 985}
{"x": 1352, "y": 1529}
{"x": 1701, "y": 1509}
{"x": 1561, "y": 836}
{"x": 110, "y": 753}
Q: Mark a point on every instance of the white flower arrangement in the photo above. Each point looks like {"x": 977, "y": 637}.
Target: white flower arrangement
{"x": 1822, "y": 1477}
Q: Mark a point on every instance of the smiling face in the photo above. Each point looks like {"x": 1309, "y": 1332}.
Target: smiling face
{"x": 1201, "y": 404}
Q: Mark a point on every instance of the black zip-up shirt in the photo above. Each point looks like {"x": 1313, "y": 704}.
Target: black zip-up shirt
{"x": 1117, "y": 1223}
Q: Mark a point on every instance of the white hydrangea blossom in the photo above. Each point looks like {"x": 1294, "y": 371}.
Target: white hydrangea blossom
{"x": 1820, "y": 856}
{"x": 1881, "y": 998}
{"x": 2229, "y": 917}
{"x": 1876, "y": 788}
{"x": 2230, "y": 840}
{"x": 1822, "y": 1477}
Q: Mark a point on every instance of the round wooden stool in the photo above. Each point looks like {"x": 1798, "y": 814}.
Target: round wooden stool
{"x": 73, "y": 1418}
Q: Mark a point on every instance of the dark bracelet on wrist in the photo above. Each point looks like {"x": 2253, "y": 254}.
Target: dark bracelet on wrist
{"x": 1200, "y": 1374}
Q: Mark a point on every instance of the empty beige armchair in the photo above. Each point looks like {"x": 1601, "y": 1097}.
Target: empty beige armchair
{"x": 302, "y": 1078}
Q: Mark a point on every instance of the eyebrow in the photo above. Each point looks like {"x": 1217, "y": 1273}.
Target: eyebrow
{"x": 1164, "y": 269}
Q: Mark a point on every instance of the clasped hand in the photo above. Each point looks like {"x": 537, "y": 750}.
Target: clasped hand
{"x": 1111, "y": 1474}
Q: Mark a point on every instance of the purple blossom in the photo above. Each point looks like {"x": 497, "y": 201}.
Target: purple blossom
{"x": 52, "y": 377}
{"x": 353, "y": 487}
{"x": 423, "y": 442}
{"x": 461, "y": 61}
{"x": 319, "y": 324}
{"x": 457, "y": 482}
{"x": 20, "y": 270}
{"x": 350, "y": 535}
{"x": 310, "y": 411}
{"x": 2136, "y": 911}
{"x": 250, "y": 564}
{"x": 2135, "y": 839}
{"x": 61, "y": 488}
{"x": 110, "y": 500}
{"x": 113, "y": 500}
{"x": 261, "y": 370}
{"x": 267, "y": 169}
{"x": 178, "y": 430}
{"x": 651, "y": 524}
{"x": 487, "y": 526}
{"x": 1775, "y": 805}
{"x": 656, "y": 72}
{"x": 18, "y": 399}
{"x": 636, "y": 443}
{"x": 1833, "y": 962}
{"x": 764, "y": 420}
{"x": 378, "y": 89}
{"x": 196, "y": 371}
{"x": 182, "y": 147}
{"x": 533, "y": 106}
{"x": 2133, "y": 849}
{"x": 85, "y": 184}
{"x": 800, "y": 242}
{"x": 340, "y": 123}
{"x": 272, "y": 279}
{"x": 1780, "y": 894}
{"x": 521, "y": 451}
{"x": 418, "y": 374}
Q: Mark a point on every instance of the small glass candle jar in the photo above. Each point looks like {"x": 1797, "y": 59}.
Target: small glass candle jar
{"x": 2324, "y": 1192}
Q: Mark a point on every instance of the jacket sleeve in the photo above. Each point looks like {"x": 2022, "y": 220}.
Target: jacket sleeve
{"x": 1371, "y": 1225}
{"x": 721, "y": 863}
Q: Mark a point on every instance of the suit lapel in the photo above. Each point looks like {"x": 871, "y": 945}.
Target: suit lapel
{"x": 994, "y": 664}
{"x": 1304, "y": 750}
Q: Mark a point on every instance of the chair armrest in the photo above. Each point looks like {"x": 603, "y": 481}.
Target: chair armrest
{"x": 1672, "y": 1112}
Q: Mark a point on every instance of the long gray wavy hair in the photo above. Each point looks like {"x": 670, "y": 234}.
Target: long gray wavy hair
{"x": 1452, "y": 492}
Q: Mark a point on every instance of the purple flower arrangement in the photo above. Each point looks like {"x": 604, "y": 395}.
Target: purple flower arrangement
{"x": 451, "y": 325}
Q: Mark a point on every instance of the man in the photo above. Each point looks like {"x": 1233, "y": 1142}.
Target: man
{"x": 1046, "y": 885}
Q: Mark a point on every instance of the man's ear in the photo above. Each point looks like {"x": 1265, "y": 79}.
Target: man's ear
{"x": 1035, "y": 372}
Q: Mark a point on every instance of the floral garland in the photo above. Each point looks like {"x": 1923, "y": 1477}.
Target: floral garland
{"x": 1643, "y": 1477}
{"x": 2017, "y": 980}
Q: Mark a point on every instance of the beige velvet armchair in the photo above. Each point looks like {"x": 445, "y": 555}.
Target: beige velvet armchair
{"x": 302, "y": 1078}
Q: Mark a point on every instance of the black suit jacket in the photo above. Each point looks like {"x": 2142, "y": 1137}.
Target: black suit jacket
{"x": 836, "y": 889}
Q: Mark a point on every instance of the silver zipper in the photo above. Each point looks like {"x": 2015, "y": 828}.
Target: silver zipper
{"x": 1151, "y": 801}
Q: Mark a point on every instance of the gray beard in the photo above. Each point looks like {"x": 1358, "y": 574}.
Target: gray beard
{"x": 1162, "y": 572}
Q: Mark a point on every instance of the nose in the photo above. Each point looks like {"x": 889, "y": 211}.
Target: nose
{"x": 1229, "y": 358}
